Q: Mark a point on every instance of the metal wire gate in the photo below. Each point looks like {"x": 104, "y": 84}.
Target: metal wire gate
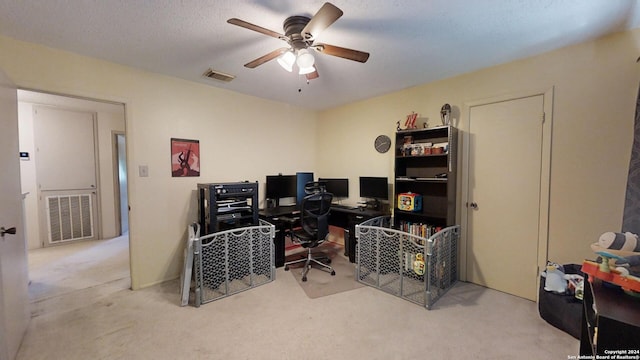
{"x": 414, "y": 268}
{"x": 228, "y": 262}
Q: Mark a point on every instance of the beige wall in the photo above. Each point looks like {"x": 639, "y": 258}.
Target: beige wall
{"x": 241, "y": 138}
{"x": 595, "y": 87}
{"x": 595, "y": 90}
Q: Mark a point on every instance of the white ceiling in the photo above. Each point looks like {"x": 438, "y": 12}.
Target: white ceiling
{"x": 411, "y": 42}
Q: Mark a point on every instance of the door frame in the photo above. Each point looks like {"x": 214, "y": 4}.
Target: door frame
{"x": 116, "y": 178}
{"x": 545, "y": 172}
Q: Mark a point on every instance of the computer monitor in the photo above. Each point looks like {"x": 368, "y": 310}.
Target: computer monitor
{"x": 374, "y": 187}
{"x": 337, "y": 186}
{"x": 281, "y": 186}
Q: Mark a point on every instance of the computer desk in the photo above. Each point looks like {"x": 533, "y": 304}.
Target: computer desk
{"x": 280, "y": 217}
{"x": 343, "y": 216}
{"x": 347, "y": 217}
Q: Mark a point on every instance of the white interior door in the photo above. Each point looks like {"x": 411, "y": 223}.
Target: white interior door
{"x": 504, "y": 194}
{"x": 66, "y": 173}
{"x": 65, "y": 148}
{"x": 14, "y": 279}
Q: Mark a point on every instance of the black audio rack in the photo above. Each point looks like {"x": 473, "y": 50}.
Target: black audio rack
{"x": 224, "y": 206}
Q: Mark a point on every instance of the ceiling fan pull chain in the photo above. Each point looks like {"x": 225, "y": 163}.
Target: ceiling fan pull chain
{"x": 307, "y": 80}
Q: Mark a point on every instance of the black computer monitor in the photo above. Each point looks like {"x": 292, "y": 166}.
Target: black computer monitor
{"x": 281, "y": 186}
{"x": 374, "y": 187}
{"x": 337, "y": 186}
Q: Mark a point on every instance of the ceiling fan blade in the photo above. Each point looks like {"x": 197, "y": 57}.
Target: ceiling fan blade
{"x": 253, "y": 27}
{"x": 344, "y": 53}
{"x": 326, "y": 16}
{"x": 264, "y": 58}
{"x": 313, "y": 75}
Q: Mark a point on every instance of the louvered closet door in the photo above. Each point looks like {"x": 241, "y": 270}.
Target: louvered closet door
{"x": 66, "y": 173}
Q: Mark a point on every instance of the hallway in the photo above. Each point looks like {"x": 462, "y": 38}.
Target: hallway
{"x": 75, "y": 269}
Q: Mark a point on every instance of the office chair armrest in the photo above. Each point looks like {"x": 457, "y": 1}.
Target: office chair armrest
{"x": 291, "y": 220}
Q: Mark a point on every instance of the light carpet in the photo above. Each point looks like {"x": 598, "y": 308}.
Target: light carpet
{"x": 279, "y": 321}
{"x": 319, "y": 281}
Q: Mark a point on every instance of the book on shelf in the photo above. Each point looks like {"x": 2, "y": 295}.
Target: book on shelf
{"x": 418, "y": 229}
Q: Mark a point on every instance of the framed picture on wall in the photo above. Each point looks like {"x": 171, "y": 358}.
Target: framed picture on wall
{"x": 185, "y": 157}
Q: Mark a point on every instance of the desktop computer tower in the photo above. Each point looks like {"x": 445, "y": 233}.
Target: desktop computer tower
{"x": 302, "y": 178}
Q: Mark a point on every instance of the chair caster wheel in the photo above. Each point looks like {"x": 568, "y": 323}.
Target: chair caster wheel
{"x": 304, "y": 278}
{"x": 286, "y": 268}
{"x": 333, "y": 273}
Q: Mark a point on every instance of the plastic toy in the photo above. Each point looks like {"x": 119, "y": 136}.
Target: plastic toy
{"x": 615, "y": 248}
{"x": 410, "y": 202}
{"x": 418, "y": 264}
{"x": 575, "y": 285}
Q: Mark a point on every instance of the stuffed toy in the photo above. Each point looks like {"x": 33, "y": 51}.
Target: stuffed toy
{"x": 555, "y": 279}
{"x": 627, "y": 245}
{"x": 620, "y": 241}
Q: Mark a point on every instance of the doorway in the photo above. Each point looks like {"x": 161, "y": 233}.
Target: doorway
{"x": 506, "y": 192}
{"x": 91, "y": 263}
{"x": 109, "y": 119}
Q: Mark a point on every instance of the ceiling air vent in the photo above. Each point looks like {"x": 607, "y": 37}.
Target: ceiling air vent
{"x": 217, "y": 75}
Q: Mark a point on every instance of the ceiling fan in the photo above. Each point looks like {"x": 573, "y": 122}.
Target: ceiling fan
{"x": 300, "y": 33}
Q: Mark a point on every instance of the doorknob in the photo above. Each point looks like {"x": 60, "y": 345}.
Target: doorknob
{"x": 474, "y": 206}
{"x": 11, "y": 231}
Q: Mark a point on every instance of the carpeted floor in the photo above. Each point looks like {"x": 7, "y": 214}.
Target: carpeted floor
{"x": 319, "y": 281}
{"x": 63, "y": 269}
{"x": 274, "y": 321}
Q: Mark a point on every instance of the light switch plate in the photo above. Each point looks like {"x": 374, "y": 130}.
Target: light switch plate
{"x": 143, "y": 171}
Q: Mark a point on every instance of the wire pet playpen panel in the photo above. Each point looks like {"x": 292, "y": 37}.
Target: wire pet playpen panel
{"x": 387, "y": 260}
{"x": 228, "y": 262}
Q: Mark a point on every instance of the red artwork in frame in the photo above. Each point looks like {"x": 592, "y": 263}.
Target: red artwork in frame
{"x": 185, "y": 157}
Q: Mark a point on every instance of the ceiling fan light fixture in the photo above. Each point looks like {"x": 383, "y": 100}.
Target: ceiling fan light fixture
{"x": 286, "y": 60}
{"x": 300, "y": 33}
{"x": 305, "y": 59}
{"x": 307, "y": 70}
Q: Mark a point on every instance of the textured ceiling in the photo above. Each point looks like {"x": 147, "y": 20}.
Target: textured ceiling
{"x": 411, "y": 42}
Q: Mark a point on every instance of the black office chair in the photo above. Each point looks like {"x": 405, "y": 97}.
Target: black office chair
{"x": 314, "y": 228}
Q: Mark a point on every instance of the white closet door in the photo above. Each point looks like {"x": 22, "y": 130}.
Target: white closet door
{"x": 65, "y": 149}
{"x": 505, "y": 162}
{"x": 66, "y": 174}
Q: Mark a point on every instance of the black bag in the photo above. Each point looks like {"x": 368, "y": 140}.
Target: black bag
{"x": 562, "y": 311}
